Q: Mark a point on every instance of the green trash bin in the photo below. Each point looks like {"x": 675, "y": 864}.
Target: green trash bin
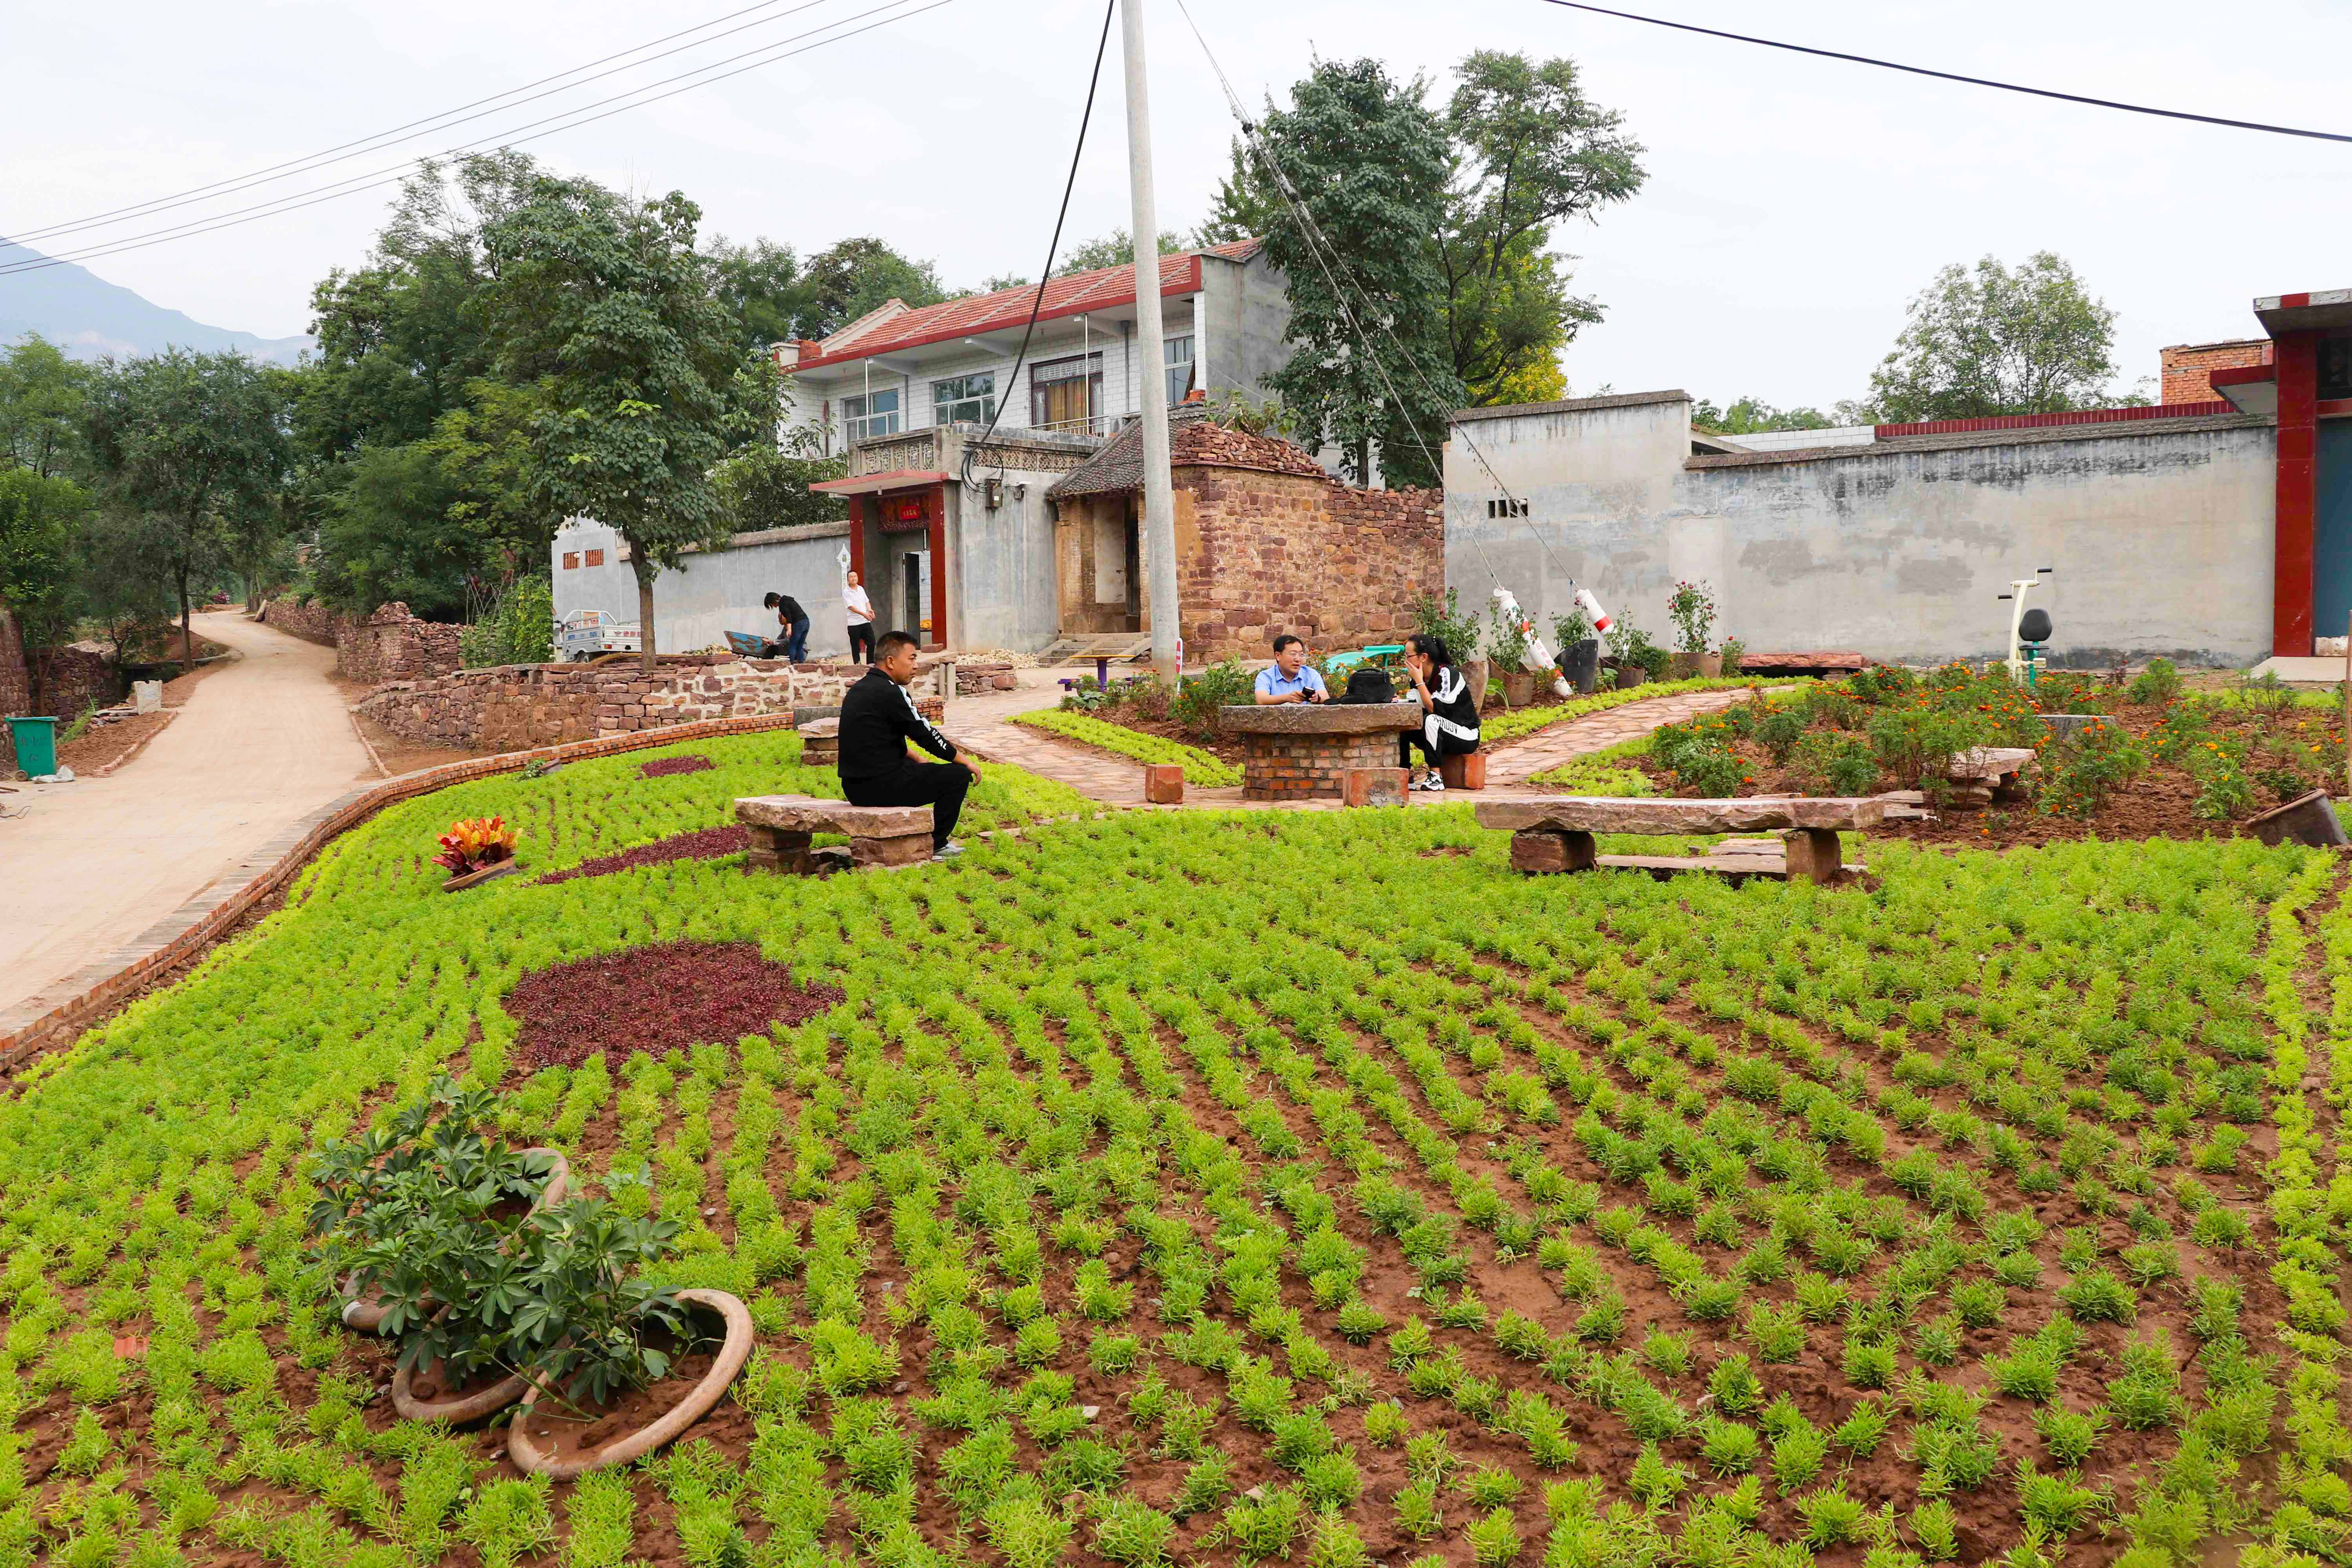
{"x": 36, "y": 743}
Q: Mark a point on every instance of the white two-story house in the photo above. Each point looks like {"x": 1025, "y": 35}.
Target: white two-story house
{"x": 953, "y": 535}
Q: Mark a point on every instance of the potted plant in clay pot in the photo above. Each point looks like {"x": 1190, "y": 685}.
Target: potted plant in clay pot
{"x": 618, "y": 1366}
{"x": 426, "y": 1220}
{"x": 1507, "y": 645}
{"x": 1692, "y": 609}
{"x": 473, "y": 851}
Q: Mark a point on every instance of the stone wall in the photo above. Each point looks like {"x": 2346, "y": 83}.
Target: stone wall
{"x": 16, "y": 686}
{"x": 390, "y": 645}
{"x": 75, "y": 677}
{"x": 517, "y": 707}
{"x": 1259, "y": 552}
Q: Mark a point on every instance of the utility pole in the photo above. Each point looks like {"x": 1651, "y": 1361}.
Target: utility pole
{"x": 1159, "y": 494}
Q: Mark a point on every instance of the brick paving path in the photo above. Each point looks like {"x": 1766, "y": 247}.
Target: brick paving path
{"x": 982, "y": 723}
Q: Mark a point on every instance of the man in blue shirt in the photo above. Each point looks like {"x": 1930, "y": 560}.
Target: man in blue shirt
{"x": 1289, "y": 679}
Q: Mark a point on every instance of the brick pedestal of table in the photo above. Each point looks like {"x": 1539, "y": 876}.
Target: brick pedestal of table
{"x": 1305, "y": 751}
{"x": 1376, "y": 786}
{"x": 1163, "y": 784}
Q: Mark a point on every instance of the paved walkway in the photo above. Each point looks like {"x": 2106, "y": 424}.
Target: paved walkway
{"x": 93, "y": 864}
{"x": 982, "y": 723}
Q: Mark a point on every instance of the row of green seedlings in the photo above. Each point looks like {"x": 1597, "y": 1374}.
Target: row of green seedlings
{"x": 2143, "y": 1387}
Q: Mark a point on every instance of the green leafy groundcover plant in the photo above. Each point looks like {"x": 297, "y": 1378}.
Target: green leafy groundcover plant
{"x": 1094, "y": 1223}
{"x": 1200, "y": 767}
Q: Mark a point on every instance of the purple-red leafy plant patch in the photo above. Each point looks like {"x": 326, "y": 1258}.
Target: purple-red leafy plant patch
{"x": 705, "y": 844}
{"x": 662, "y": 767}
{"x": 659, "y": 999}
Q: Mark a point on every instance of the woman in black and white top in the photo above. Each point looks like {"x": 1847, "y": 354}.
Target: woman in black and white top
{"x": 1449, "y": 725}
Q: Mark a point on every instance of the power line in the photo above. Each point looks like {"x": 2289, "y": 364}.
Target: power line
{"x": 1045, "y": 275}
{"x": 1954, "y": 76}
{"x": 710, "y": 73}
{"x": 308, "y": 162}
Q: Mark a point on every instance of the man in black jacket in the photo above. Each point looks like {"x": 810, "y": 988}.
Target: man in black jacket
{"x": 877, "y": 720}
{"x": 792, "y": 622}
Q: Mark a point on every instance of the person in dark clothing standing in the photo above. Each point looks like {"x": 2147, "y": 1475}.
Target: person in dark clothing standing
{"x": 1449, "y": 725}
{"x": 792, "y": 622}
{"x": 877, "y": 720}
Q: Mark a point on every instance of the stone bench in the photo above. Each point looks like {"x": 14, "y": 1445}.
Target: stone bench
{"x": 782, "y": 824}
{"x": 1556, "y": 833}
{"x": 1305, "y": 751}
{"x": 821, "y": 743}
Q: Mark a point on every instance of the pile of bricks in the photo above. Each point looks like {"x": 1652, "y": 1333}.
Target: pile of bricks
{"x": 973, "y": 679}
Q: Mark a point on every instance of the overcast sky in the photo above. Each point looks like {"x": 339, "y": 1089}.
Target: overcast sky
{"x": 1793, "y": 204}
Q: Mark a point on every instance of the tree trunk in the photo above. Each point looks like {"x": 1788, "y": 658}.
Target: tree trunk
{"x": 187, "y": 629}
{"x": 644, "y": 611}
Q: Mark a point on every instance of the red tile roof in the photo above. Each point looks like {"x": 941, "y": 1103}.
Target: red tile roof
{"x": 1096, "y": 289}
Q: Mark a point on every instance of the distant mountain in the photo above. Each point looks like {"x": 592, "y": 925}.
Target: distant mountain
{"x": 87, "y": 316}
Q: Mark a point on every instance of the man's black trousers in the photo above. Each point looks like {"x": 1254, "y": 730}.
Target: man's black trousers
{"x": 939, "y": 786}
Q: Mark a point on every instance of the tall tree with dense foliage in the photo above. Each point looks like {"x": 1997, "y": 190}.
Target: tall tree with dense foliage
{"x": 1531, "y": 151}
{"x": 1367, "y": 162}
{"x": 39, "y": 518}
{"x": 1988, "y": 340}
{"x": 1748, "y": 415}
{"x": 603, "y": 303}
{"x": 41, "y": 398}
{"x": 1113, "y": 250}
{"x": 844, "y": 282}
{"x": 195, "y": 444}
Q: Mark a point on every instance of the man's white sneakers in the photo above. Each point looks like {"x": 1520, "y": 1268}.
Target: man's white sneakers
{"x": 947, "y": 851}
{"x": 1432, "y": 779}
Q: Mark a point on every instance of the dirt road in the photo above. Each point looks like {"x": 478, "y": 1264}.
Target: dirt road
{"x": 94, "y": 863}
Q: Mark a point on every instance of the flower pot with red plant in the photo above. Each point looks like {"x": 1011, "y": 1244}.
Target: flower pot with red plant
{"x": 476, "y": 850}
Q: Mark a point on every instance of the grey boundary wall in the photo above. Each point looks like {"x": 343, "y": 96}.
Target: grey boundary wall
{"x": 55, "y": 1017}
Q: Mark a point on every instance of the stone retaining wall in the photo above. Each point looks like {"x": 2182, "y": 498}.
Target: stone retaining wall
{"x": 518, "y": 706}
{"x": 390, "y": 645}
{"x": 16, "y": 686}
{"x": 73, "y": 679}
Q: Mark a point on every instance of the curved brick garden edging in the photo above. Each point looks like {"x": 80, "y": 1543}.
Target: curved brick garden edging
{"x": 98, "y": 989}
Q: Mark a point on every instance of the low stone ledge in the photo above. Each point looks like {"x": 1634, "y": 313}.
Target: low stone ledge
{"x": 1318, "y": 718}
{"x": 1588, "y": 814}
{"x": 812, "y": 814}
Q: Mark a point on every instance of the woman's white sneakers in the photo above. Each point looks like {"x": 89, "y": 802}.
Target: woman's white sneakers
{"x": 1432, "y": 779}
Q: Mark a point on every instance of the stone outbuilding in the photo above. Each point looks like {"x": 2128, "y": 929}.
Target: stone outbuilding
{"x": 1266, "y": 541}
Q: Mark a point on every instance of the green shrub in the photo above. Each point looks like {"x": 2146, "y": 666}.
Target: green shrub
{"x": 2159, "y": 682}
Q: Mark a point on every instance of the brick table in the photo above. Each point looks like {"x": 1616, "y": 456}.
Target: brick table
{"x": 1304, "y": 751}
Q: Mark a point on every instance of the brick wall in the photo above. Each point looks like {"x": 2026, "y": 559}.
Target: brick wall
{"x": 390, "y": 645}
{"x": 517, "y": 707}
{"x": 16, "y": 686}
{"x": 1260, "y": 553}
{"x": 1310, "y": 766}
{"x": 2187, "y": 367}
{"x": 73, "y": 679}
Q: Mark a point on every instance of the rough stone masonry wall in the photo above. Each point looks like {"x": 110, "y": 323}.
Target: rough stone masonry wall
{"x": 16, "y": 686}
{"x": 1261, "y": 553}
{"x": 516, "y": 707}
{"x": 1310, "y": 766}
{"x": 74, "y": 679}
{"x": 390, "y": 645}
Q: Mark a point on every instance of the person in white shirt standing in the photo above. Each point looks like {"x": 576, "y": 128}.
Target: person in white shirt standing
{"x": 860, "y": 610}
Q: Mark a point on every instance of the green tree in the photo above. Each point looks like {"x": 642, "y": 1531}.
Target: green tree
{"x": 1751, "y": 414}
{"x": 761, "y": 286}
{"x": 1116, "y": 249}
{"x": 847, "y": 279}
{"x": 196, "y": 444}
{"x": 762, "y": 486}
{"x": 1243, "y": 206}
{"x": 1530, "y": 151}
{"x": 604, "y": 303}
{"x": 1368, "y": 160}
{"x": 38, "y": 520}
{"x": 1988, "y": 340}
{"x": 42, "y": 395}
{"x": 116, "y": 584}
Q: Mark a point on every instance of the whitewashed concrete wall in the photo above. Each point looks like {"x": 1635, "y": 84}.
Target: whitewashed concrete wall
{"x": 716, "y": 592}
{"x": 2160, "y": 532}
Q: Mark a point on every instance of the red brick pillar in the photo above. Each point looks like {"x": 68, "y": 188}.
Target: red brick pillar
{"x": 2297, "y": 503}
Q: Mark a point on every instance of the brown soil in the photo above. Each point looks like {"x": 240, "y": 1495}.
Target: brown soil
{"x": 428, "y": 1386}
{"x": 2158, "y": 804}
{"x": 103, "y": 747}
{"x": 659, "y": 999}
{"x": 566, "y": 1434}
{"x": 663, "y": 767}
{"x": 706, "y": 844}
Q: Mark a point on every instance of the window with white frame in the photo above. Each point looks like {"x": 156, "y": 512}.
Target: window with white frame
{"x": 875, "y": 414}
{"x": 1066, "y": 394}
{"x": 1178, "y": 355}
{"x": 968, "y": 399}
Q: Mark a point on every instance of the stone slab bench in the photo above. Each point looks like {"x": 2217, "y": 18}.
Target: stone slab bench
{"x": 782, "y": 824}
{"x": 819, "y": 743}
{"x": 1556, "y": 833}
{"x": 1305, "y": 751}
